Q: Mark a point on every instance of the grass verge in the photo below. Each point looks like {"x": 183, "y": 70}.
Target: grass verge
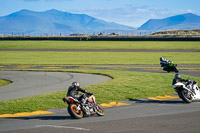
{"x": 99, "y": 44}
{"x": 125, "y": 85}
{"x": 60, "y": 58}
{"x": 4, "y": 82}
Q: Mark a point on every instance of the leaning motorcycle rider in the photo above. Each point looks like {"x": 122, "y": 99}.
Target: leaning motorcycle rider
{"x": 73, "y": 92}
{"x": 164, "y": 61}
{"x": 177, "y": 78}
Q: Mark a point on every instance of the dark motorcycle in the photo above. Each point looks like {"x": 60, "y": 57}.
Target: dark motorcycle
{"x": 172, "y": 68}
{"x": 168, "y": 65}
{"x": 78, "y": 110}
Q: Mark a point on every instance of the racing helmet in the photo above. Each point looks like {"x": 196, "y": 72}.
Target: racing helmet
{"x": 75, "y": 84}
{"x": 177, "y": 76}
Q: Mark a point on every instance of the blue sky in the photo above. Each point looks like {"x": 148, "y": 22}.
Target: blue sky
{"x": 128, "y": 12}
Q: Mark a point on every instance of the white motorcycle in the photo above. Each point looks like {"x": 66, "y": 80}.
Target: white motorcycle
{"x": 188, "y": 91}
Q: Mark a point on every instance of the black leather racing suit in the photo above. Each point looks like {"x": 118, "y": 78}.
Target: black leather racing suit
{"x": 73, "y": 92}
{"x": 176, "y": 80}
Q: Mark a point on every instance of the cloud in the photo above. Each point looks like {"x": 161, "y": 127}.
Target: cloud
{"x": 130, "y": 15}
{"x": 127, "y": 14}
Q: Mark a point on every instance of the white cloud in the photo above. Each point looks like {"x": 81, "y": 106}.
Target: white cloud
{"x": 131, "y": 15}
{"x": 189, "y": 11}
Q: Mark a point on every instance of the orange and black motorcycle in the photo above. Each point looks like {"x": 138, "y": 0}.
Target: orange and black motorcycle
{"x": 78, "y": 110}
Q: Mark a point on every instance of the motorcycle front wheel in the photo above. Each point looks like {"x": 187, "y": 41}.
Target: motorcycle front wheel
{"x": 74, "y": 111}
{"x": 185, "y": 96}
{"x": 99, "y": 110}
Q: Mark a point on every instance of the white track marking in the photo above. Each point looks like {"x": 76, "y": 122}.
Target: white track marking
{"x": 54, "y": 126}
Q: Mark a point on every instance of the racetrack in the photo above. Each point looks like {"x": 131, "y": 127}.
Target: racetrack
{"x": 142, "y": 115}
{"x": 27, "y": 83}
{"x": 139, "y": 117}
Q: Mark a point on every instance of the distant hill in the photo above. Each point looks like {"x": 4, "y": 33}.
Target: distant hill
{"x": 54, "y": 22}
{"x": 177, "y": 33}
{"x": 179, "y": 22}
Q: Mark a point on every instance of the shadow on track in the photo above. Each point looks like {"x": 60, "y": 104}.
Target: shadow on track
{"x": 175, "y": 101}
{"x": 42, "y": 118}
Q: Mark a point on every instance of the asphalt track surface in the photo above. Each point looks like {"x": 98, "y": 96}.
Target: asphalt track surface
{"x": 27, "y": 83}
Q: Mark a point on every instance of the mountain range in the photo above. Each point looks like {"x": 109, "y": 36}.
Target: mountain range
{"x": 186, "y": 21}
{"x": 52, "y": 22}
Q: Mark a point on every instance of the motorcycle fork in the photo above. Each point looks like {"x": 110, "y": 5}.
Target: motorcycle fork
{"x": 78, "y": 106}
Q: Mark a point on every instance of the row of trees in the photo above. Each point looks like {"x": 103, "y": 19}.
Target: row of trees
{"x": 77, "y": 34}
{"x": 125, "y": 33}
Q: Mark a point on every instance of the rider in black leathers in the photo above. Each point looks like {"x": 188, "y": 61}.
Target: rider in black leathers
{"x": 73, "y": 92}
{"x": 177, "y": 78}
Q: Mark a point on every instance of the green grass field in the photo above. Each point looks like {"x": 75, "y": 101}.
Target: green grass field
{"x": 66, "y": 58}
{"x": 99, "y": 45}
{"x": 125, "y": 84}
{"x": 4, "y": 82}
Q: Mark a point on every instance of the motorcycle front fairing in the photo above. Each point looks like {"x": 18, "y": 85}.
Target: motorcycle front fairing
{"x": 180, "y": 86}
{"x": 191, "y": 88}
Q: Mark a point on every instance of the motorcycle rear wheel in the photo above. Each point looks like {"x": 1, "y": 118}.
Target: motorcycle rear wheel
{"x": 184, "y": 96}
{"x": 176, "y": 70}
{"x": 76, "y": 114}
{"x": 99, "y": 110}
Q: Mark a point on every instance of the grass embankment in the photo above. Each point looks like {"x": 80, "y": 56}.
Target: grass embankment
{"x": 4, "y": 82}
{"x": 99, "y": 45}
{"x": 61, "y": 58}
{"x": 125, "y": 85}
